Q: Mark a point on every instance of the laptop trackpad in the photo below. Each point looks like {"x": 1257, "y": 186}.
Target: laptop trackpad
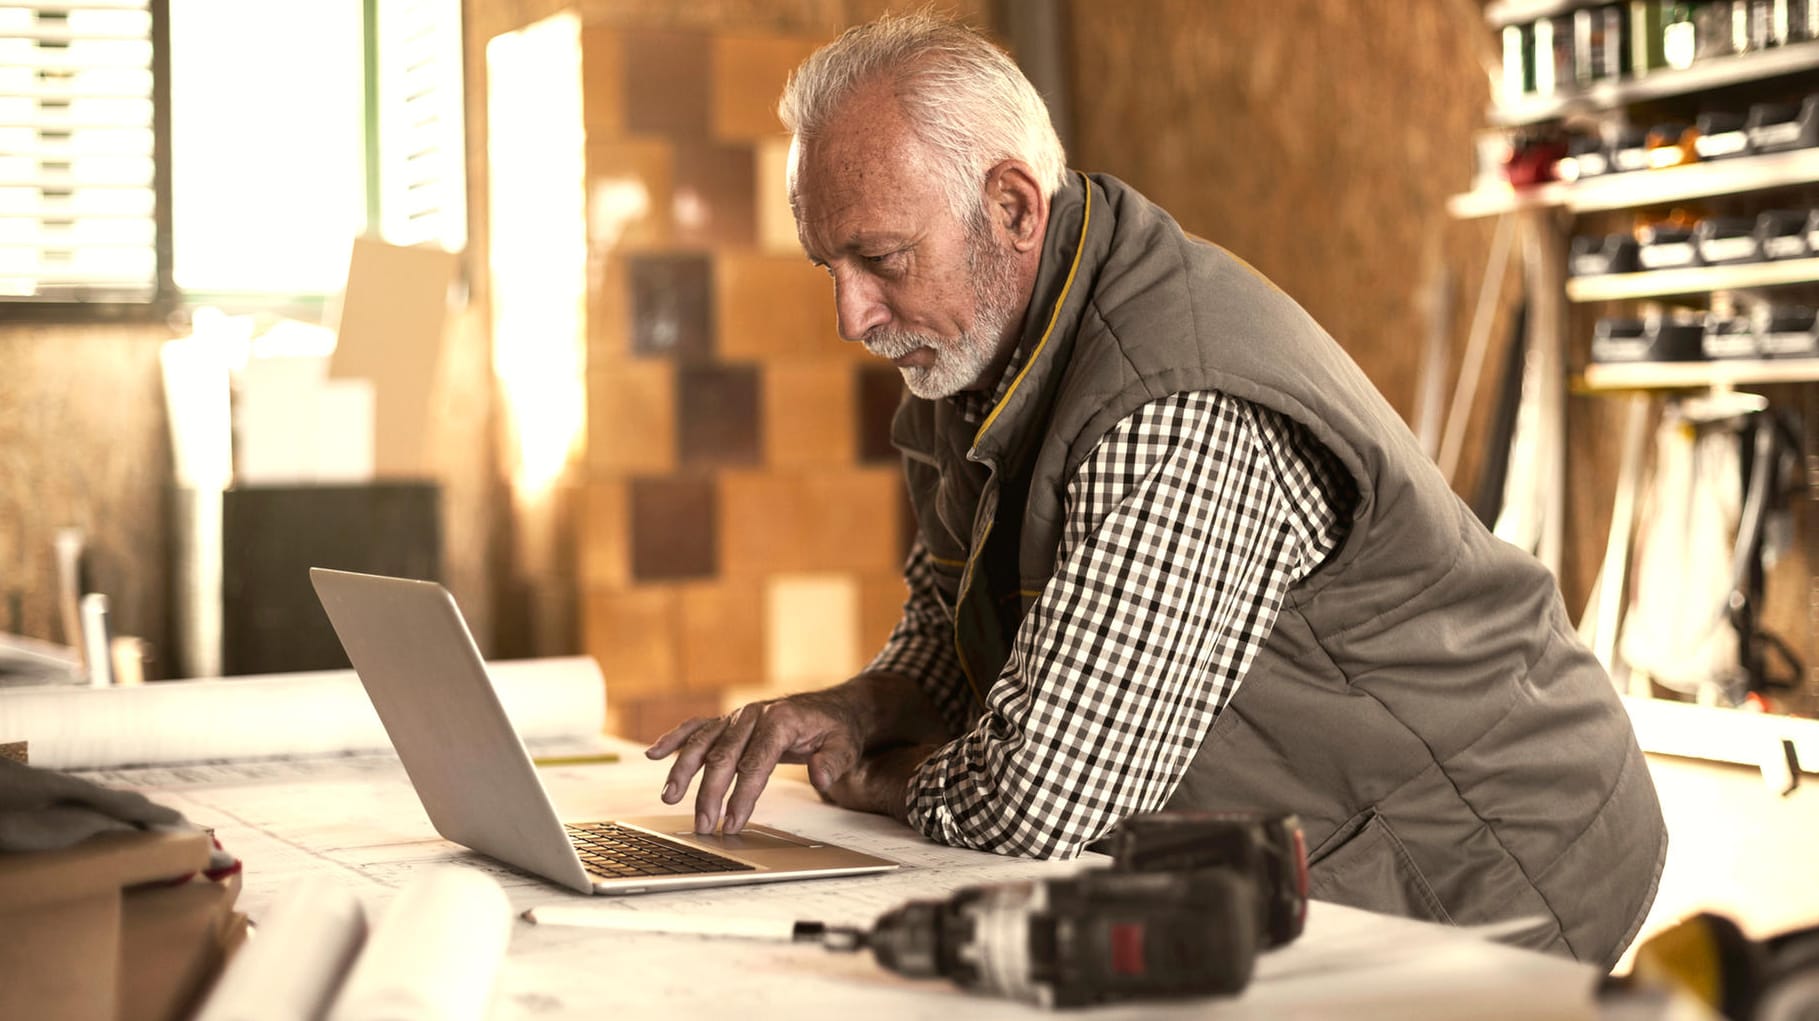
{"x": 736, "y": 843}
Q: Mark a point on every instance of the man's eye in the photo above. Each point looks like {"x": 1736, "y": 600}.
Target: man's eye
{"x": 886, "y": 259}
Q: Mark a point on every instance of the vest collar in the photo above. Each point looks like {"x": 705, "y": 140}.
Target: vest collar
{"x": 1078, "y": 217}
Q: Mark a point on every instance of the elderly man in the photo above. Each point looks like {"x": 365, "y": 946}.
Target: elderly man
{"x": 1174, "y": 550}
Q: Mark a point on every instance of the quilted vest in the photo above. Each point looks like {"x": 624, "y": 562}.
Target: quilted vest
{"x": 1452, "y": 750}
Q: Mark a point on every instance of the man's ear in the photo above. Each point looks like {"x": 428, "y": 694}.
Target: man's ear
{"x": 1017, "y": 205}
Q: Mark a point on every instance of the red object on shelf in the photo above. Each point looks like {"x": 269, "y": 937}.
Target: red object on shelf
{"x": 1532, "y": 162}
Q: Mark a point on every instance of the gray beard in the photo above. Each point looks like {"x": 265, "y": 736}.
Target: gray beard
{"x": 961, "y": 362}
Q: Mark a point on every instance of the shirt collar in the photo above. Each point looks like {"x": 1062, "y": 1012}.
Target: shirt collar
{"x": 974, "y": 405}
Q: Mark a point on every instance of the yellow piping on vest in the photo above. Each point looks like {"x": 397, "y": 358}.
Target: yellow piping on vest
{"x": 1086, "y": 218}
{"x": 1054, "y": 316}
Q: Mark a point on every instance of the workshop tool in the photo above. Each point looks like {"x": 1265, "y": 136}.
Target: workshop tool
{"x": 1101, "y": 937}
{"x": 1189, "y": 901}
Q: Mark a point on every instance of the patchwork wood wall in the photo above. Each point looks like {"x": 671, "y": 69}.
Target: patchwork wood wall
{"x": 743, "y": 514}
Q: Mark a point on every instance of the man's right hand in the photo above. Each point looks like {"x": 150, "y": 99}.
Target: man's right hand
{"x": 829, "y": 730}
{"x": 740, "y": 750}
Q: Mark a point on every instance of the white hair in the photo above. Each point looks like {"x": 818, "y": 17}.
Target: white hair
{"x": 963, "y": 97}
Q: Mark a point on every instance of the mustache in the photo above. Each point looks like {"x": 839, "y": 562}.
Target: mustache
{"x": 892, "y": 344}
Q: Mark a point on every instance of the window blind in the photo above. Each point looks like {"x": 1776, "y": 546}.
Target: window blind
{"x": 78, "y": 177}
{"x": 422, "y": 175}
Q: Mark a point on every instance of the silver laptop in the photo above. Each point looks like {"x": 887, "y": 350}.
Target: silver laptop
{"x": 414, "y": 653}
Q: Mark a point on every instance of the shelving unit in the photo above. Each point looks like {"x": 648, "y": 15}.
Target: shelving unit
{"x": 1693, "y": 280}
{"x": 1546, "y": 216}
{"x": 1646, "y": 187}
{"x": 1705, "y": 76}
{"x": 1700, "y": 375}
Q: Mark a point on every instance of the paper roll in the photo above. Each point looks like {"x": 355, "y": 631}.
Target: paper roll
{"x": 433, "y": 955}
{"x": 322, "y": 713}
{"x": 296, "y": 959}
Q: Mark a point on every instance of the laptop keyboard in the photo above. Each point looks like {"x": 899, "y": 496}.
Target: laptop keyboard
{"x": 613, "y": 851}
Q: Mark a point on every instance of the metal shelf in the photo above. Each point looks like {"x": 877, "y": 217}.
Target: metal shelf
{"x": 1698, "y": 375}
{"x": 1501, "y": 198}
{"x": 1716, "y": 73}
{"x": 1693, "y": 280}
{"x": 1723, "y": 735}
{"x": 1520, "y": 12}
{"x": 1646, "y": 187}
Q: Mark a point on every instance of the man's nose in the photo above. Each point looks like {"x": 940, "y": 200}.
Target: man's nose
{"x": 859, "y": 306}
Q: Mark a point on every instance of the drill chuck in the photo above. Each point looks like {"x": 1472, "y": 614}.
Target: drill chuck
{"x": 909, "y": 940}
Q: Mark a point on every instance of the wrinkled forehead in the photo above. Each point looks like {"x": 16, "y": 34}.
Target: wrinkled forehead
{"x": 839, "y": 184}
{"x": 865, "y": 145}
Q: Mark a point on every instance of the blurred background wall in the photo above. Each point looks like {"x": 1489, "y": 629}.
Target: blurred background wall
{"x": 735, "y": 523}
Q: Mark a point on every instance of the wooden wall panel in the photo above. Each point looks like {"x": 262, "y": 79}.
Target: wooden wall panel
{"x": 83, "y": 444}
{"x": 1317, "y": 139}
{"x": 719, "y": 394}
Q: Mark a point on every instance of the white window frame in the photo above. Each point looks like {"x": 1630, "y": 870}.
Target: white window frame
{"x": 415, "y": 173}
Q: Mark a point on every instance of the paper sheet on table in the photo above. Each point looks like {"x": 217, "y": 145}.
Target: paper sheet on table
{"x": 296, "y": 960}
{"x": 322, "y": 713}
{"x": 434, "y": 953}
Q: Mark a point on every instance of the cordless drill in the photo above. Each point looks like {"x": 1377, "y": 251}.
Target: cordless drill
{"x": 1188, "y": 902}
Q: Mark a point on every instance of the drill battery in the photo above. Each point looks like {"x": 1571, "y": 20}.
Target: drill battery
{"x": 1269, "y": 850}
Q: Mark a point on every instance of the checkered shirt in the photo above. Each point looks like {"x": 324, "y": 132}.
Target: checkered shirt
{"x": 1183, "y": 531}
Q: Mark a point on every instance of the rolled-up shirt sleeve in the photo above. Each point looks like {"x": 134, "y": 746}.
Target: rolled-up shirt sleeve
{"x": 1184, "y": 529}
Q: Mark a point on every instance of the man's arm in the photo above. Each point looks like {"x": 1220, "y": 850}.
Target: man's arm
{"x": 912, "y": 695}
{"x": 1185, "y": 529}
{"x": 921, "y": 648}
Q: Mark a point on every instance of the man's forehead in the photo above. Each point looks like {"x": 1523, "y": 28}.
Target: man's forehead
{"x": 869, "y": 162}
{"x": 844, "y": 199}
{"x": 865, "y": 135}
